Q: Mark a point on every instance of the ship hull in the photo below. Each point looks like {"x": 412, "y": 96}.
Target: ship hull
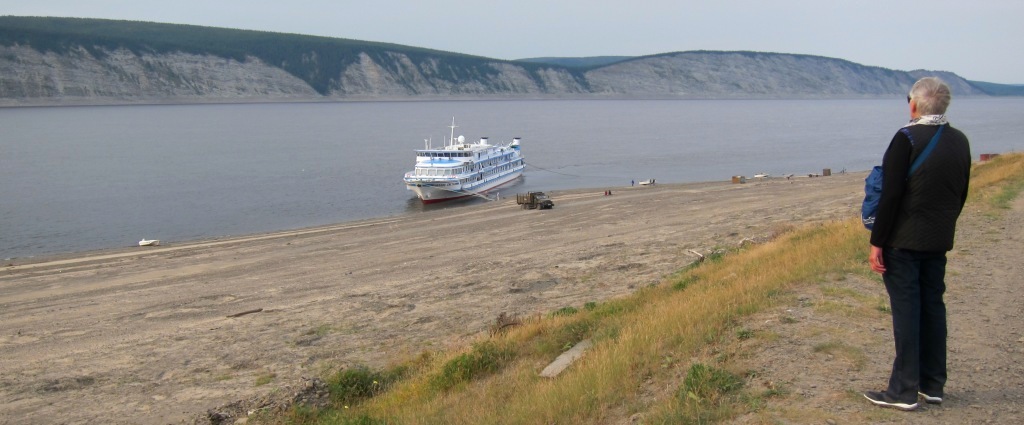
{"x": 431, "y": 192}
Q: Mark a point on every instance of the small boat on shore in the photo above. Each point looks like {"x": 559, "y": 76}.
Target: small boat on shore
{"x": 149, "y": 242}
{"x": 461, "y": 169}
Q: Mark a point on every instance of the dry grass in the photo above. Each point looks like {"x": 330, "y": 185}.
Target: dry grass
{"x": 643, "y": 343}
{"x": 996, "y": 182}
{"x": 632, "y": 338}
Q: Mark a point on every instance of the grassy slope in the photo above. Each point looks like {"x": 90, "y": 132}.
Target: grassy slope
{"x": 642, "y": 341}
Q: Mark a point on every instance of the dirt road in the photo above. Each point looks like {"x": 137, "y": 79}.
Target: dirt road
{"x": 833, "y": 339}
{"x": 144, "y": 335}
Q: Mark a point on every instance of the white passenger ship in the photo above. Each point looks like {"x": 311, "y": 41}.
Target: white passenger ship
{"x": 463, "y": 169}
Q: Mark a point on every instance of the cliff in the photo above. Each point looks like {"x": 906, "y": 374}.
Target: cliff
{"x": 87, "y": 61}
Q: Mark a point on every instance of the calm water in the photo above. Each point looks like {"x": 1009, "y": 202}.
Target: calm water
{"x": 83, "y": 178}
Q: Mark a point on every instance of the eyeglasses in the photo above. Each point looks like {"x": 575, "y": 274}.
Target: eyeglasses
{"x": 908, "y": 98}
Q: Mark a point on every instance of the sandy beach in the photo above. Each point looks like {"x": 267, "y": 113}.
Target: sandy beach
{"x": 160, "y": 334}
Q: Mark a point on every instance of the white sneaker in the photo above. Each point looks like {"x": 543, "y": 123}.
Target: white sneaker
{"x": 881, "y": 399}
{"x": 929, "y": 399}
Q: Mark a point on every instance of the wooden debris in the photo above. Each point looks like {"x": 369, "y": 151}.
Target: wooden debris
{"x": 245, "y": 312}
{"x": 504, "y": 321}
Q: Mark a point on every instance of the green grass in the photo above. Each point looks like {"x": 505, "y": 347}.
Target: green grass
{"x": 265, "y": 378}
{"x": 486, "y": 357}
{"x": 1004, "y": 197}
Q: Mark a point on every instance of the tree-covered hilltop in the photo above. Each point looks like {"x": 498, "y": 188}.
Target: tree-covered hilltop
{"x": 584, "y": 62}
{"x": 318, "y": 61}
{"x": 1000, "y": 89}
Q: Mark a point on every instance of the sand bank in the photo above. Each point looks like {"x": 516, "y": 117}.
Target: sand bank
{"x": 143, "y": 335}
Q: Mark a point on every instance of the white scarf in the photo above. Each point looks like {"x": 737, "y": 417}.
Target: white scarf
{"x": 929, "y": 120}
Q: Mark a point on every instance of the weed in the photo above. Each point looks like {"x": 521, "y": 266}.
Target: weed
{"x": 265, "y": 378}
{"x": 611, "y": 308}
{"x": 841, "y": 292}
{"x": 1004, "y": 197}
{"x": 353, "y": 385}
{"x": 361, "y": 419}
{"x": 716, "y": 256}
{"x": 565, "y": 311}
{"x": 318, "y": 331}
{"x": 705, "y": 396}
{"x": 836, "y": 307}
{"x": 563, "y": 337}
{"x": 704, "y": 382}
{"x": 683, "y": 283}
{"x": 744, "y": 334}
{"x": 775, "y": 391}
{"x": 300, "y": 414}
{"x": 884, "y": 308}
{"x": 485, "y": 358}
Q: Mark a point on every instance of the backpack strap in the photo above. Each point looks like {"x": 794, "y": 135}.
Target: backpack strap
{"x": 927, "y": 150}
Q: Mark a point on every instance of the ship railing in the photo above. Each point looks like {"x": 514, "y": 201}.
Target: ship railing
{"x": 413, "y": 175}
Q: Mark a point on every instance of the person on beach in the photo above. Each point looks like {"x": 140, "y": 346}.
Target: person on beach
{"x": 913, "y": 230}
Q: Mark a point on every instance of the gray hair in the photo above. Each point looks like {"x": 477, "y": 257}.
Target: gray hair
{"x": 932, "y": 96}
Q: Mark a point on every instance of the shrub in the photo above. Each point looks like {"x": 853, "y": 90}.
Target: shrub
{"x": 356, "y": 384}
{"x": 485, "y": 358}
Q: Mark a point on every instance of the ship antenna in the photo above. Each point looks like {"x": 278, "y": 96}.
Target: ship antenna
{"x": 453, "y": 127}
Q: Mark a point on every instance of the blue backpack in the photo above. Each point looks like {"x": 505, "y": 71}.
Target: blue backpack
{"x": 873, "y": 183}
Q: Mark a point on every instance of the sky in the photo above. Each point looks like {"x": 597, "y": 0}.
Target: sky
{"x": 979, "y": 40}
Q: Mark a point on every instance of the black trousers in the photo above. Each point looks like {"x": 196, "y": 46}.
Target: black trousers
{"x": 916, "y": 283}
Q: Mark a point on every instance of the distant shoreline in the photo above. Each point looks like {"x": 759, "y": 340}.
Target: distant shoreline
{"x": 9, "y": 103}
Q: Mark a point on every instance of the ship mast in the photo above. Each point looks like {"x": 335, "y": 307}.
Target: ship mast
{"x": 453, "y": 126}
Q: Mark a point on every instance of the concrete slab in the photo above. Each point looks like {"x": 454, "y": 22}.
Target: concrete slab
{"x": 563, "y": 361}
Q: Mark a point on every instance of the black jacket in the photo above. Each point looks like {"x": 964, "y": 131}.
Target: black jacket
{"x": 919, "y": 213}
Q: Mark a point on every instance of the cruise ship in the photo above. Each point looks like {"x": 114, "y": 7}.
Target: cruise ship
{"x": 461, "y": 169}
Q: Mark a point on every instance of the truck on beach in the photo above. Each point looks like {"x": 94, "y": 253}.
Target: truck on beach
{"x": 534, "y": 200}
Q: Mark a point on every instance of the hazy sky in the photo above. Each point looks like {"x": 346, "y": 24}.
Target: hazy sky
{"x": 979, "y": 40}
